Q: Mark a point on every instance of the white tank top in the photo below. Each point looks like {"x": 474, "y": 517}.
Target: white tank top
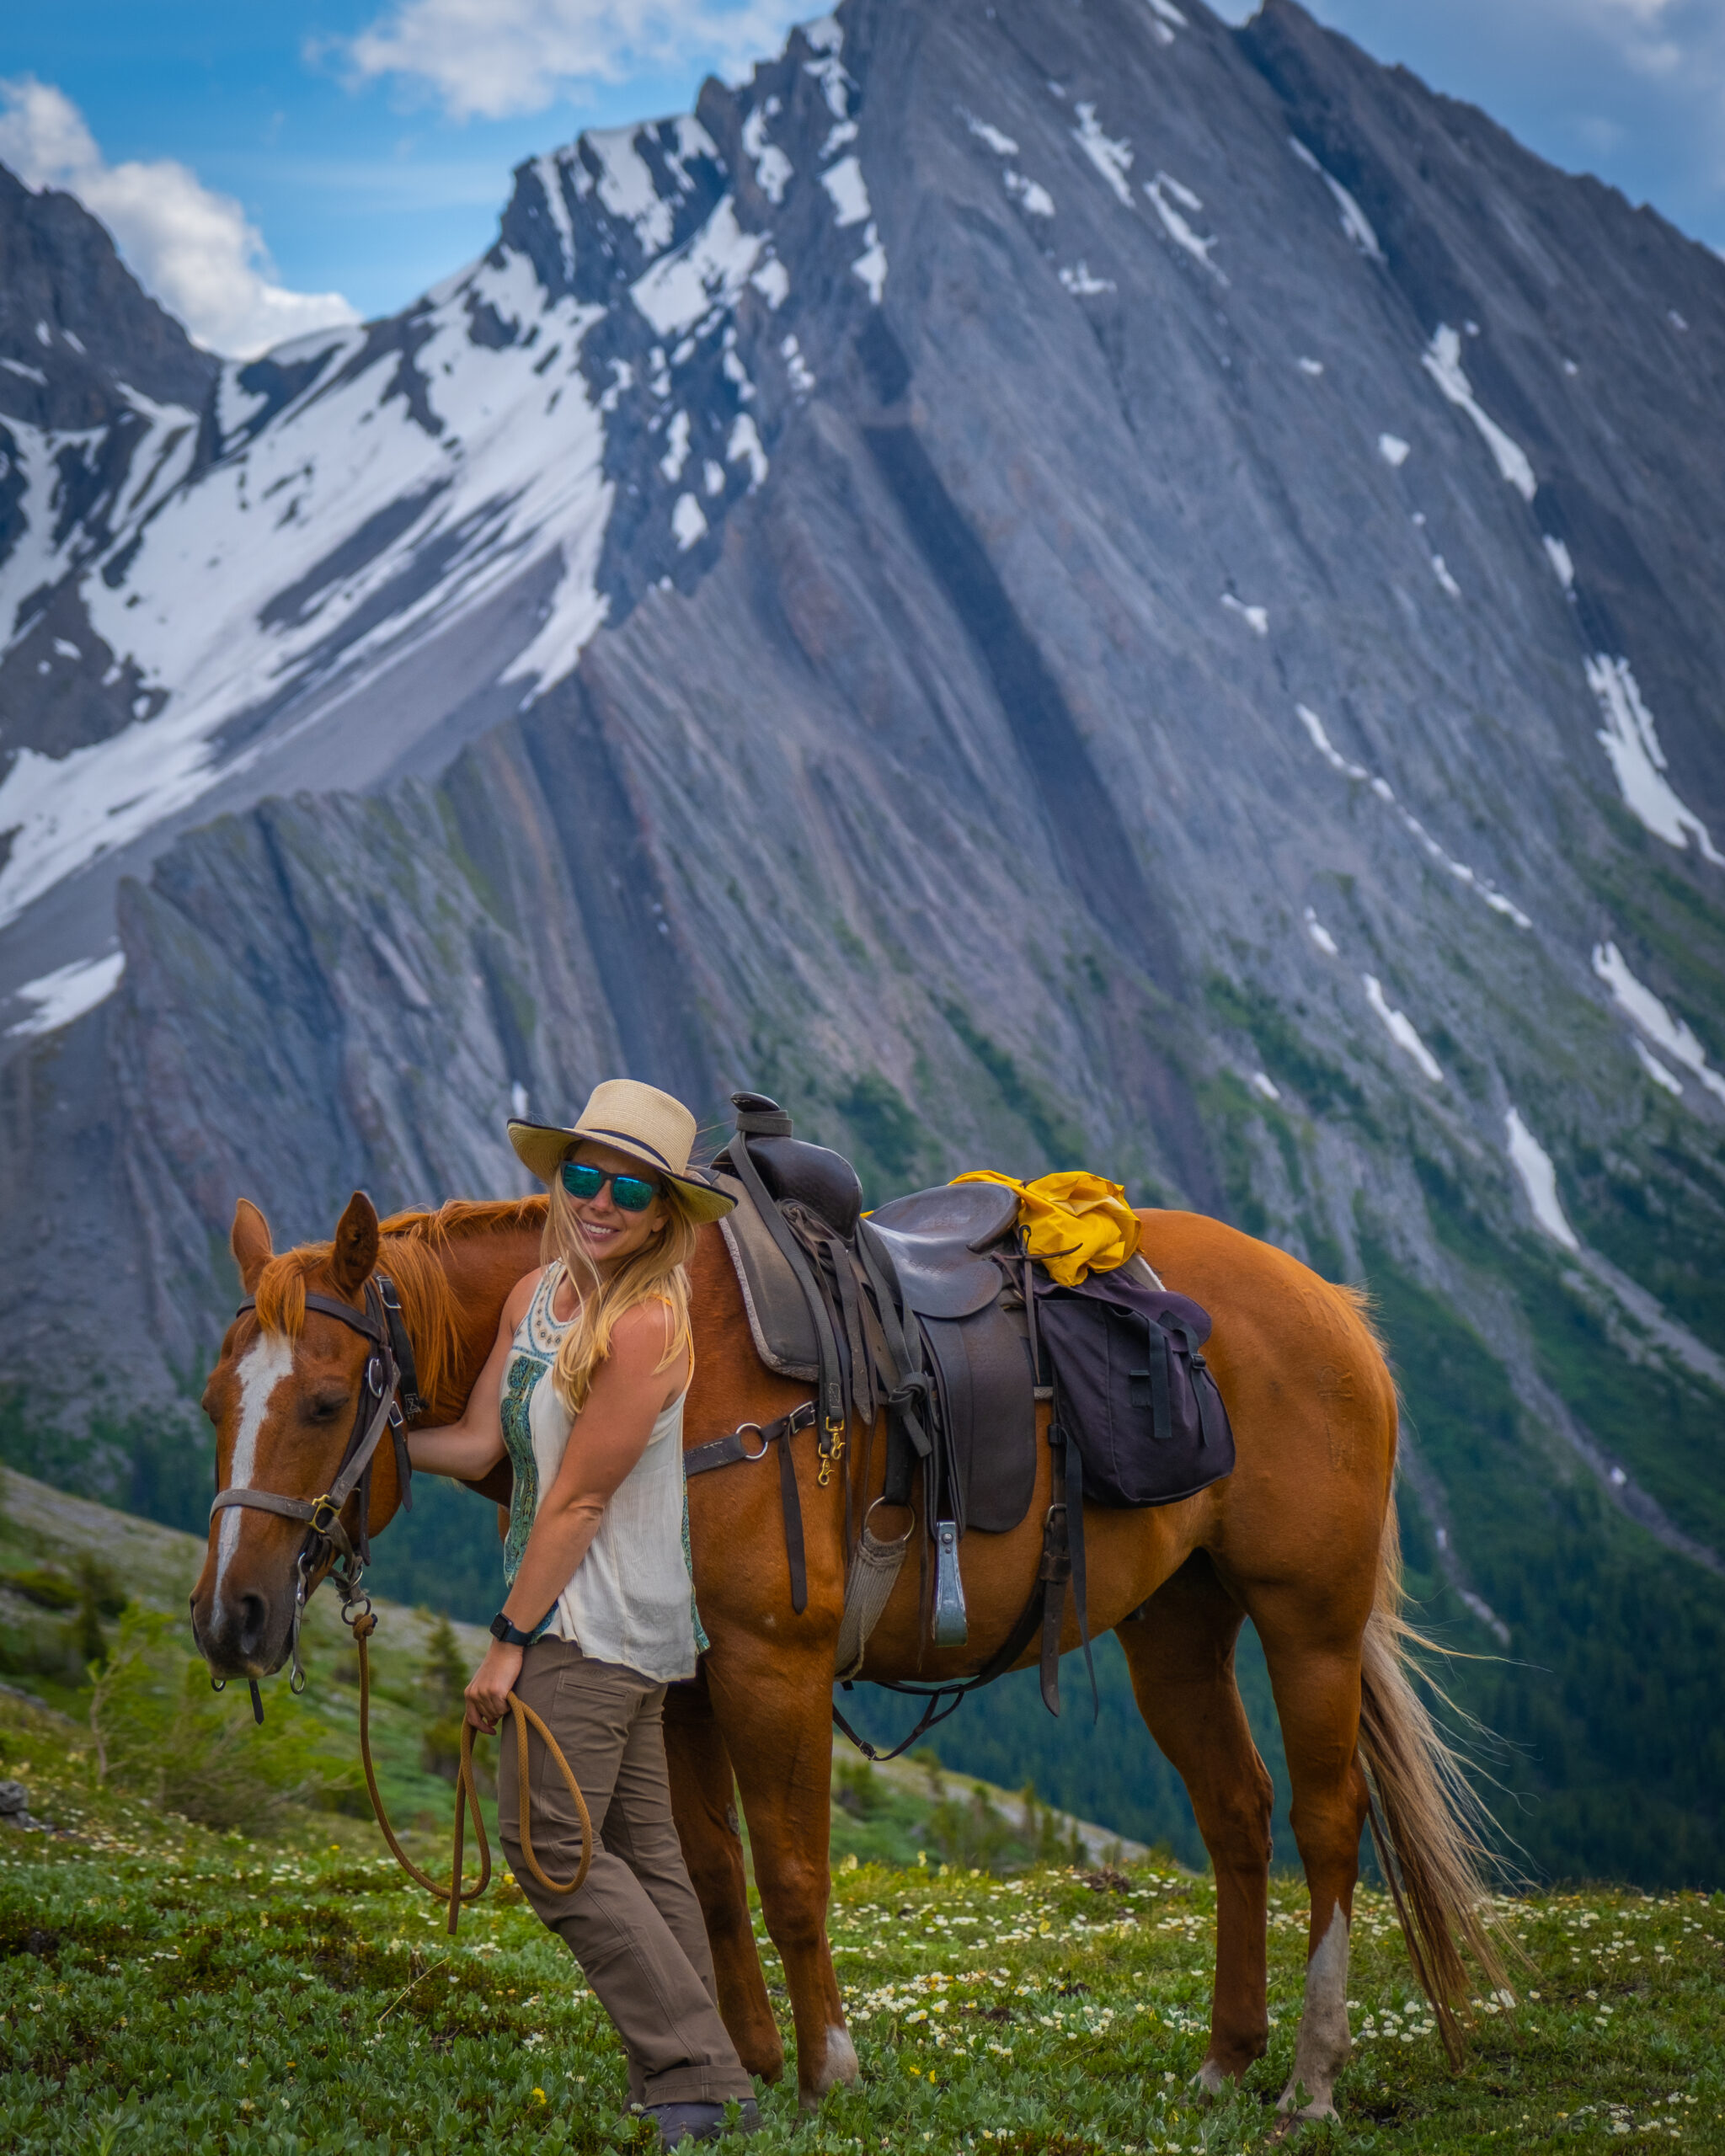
{"x": 632, "y": 1597}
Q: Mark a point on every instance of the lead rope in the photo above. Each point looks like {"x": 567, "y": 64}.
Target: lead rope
{"x": 363, "y": 1624}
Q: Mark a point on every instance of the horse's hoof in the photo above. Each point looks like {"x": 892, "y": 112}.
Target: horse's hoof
{"x": 1296, "y": 2115}
{"x": 1210, "y": 2081}
{"x": 840, "y": 2067}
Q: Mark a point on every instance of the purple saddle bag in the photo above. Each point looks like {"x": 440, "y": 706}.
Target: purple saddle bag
{"x": 1133, "y": 1391}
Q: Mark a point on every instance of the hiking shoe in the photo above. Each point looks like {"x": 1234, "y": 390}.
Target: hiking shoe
{"x": 680, "y": 2122}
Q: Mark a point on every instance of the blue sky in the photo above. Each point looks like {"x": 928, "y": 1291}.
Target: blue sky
{"x": 265, "y": 167}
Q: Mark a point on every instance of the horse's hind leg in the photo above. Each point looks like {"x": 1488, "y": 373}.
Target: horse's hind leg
{"x": 1180, "y": 1655}
{"x": 1314, "y": 1662}
{"x": 702, "y": 1797}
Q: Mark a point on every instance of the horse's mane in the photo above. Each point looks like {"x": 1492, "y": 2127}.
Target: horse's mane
{"x": 409, "y": 1252}
{"x": 1364, "y": 1305}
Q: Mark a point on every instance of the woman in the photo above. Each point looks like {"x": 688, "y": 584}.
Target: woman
{"x": 584, "y": 1390}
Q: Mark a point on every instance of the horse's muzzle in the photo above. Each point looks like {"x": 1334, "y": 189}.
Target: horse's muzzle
{"x": 242, "y": 1634}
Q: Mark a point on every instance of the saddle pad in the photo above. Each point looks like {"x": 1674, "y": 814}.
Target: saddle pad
{"x": 982, "y": 1364}
{"x": 779, "y": 1322}
{"x": 932, "y": 1239}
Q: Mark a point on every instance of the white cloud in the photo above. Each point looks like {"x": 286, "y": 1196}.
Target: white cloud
{"x": 192, "y": 249}
{"x": 486, "y": 59}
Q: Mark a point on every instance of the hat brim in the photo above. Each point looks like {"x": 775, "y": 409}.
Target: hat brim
{"x": 541, "y": 1147}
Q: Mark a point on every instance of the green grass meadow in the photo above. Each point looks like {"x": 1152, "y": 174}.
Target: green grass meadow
{"x": 170, "y": 1990}
{"x": 174, "y": 1984}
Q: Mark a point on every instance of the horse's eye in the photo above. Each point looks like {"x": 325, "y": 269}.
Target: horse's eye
{"x": 325, "y": 1407}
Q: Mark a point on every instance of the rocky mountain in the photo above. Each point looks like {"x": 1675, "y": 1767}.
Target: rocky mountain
{"x": 1049, "y": 583}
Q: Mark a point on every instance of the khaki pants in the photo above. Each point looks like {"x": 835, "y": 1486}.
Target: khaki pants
{"x": 635, "y": 1927}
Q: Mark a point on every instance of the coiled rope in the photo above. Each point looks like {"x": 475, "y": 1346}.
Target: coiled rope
{"x": 364, "y": 1623}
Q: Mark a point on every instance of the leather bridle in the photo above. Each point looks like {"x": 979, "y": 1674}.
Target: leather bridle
{"x": 388, "y": 1397}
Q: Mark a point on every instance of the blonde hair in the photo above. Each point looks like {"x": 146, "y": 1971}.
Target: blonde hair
{"x": 656, "y": 1272}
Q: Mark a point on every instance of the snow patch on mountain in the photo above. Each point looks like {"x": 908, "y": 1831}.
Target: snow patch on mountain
{"x": 708, "y": 271}
{"x": 1165, "y": 192}
{"x": 491, "y": 460}
{"x": 1033, "y": 198}
{"x": 57, "y": 998}
{"x": 1112, "y": 159}
{"x": 1630, "y": 739}
{"x": 1400, "y": 1028}
{"x": 1674, "y": 1036}
{"x": 1481, "y": 886}
{"x": 1532, "y": 1163}
{"x": 1003, "y": 146}
{"x": 845, "y": 184}
{"x": 1442, "y": 361}
{"x": 773, "y": 169}
{"x": 1667, "y": 1080}
{"x": 1355, "y": 222}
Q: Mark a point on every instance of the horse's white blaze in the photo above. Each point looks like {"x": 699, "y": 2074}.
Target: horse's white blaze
{"x": 265, "y": 1364}
{"x": 1320, "y": 2050}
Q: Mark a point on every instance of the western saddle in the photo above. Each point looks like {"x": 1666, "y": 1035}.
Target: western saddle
{"x": 925, "y": 1310}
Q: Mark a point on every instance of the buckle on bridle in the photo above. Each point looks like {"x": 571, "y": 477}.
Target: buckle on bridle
{"x": 326, "y": 1514}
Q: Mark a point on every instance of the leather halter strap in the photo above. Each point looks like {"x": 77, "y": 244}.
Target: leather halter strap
{"x": 384, "y": 1378}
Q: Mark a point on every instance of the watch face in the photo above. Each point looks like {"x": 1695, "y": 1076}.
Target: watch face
{"x": 499, "y": 1626}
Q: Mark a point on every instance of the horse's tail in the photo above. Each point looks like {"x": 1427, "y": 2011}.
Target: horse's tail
{"x": 1431, "y": 1830}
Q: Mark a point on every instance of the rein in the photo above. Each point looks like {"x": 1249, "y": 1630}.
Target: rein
{"x": 455, "y": 1894}
{"x": 392, "y": 1382}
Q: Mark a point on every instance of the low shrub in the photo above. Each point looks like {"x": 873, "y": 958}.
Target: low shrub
{"x": 162, "y": 1734}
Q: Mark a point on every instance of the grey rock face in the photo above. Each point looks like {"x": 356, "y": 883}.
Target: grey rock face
{"x": 1047, "y": 584}
{"x": 98, "y": 388}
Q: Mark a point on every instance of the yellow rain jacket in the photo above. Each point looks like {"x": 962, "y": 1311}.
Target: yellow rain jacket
{"x": 1073, "y": 1222}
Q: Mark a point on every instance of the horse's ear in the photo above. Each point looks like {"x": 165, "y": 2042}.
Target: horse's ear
{"x": 249, "y": 1241}
{"x": 354, "y": 1257}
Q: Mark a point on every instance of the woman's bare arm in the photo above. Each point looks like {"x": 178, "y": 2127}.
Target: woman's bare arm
{"x": 630, "y": 1391}
{"x": 470, "y": 1448}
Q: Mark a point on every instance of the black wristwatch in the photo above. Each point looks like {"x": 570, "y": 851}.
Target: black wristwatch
{"x": 511, "y": 1634}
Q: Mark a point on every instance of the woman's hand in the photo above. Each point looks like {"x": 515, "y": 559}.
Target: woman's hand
{"x": 494, "y": 1680}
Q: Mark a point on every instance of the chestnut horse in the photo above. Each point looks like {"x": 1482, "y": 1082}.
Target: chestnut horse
{"x": 1300, "y": 1538}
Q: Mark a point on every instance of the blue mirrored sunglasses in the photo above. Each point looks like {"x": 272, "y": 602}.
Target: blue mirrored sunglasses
{"x": 632, "y": 1193}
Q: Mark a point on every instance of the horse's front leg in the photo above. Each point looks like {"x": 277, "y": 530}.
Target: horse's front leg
{"x": 774, "y": 1703}
{"x": 703, "y": 1796}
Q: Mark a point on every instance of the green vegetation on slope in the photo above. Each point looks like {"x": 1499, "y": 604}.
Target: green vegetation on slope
{"x": 1105, "y": 1767}
{"x": 154, "y": 1709}
{"x": 1608, "y": 1694}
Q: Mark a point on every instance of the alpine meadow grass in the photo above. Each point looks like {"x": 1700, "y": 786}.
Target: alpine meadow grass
{"x": 167, "y": 1989}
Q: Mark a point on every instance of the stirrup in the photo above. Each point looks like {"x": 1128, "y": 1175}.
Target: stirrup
{"x": 951, "y": 1627}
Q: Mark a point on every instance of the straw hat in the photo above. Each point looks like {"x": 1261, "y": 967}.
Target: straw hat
{"x": 639, "y": 1120}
